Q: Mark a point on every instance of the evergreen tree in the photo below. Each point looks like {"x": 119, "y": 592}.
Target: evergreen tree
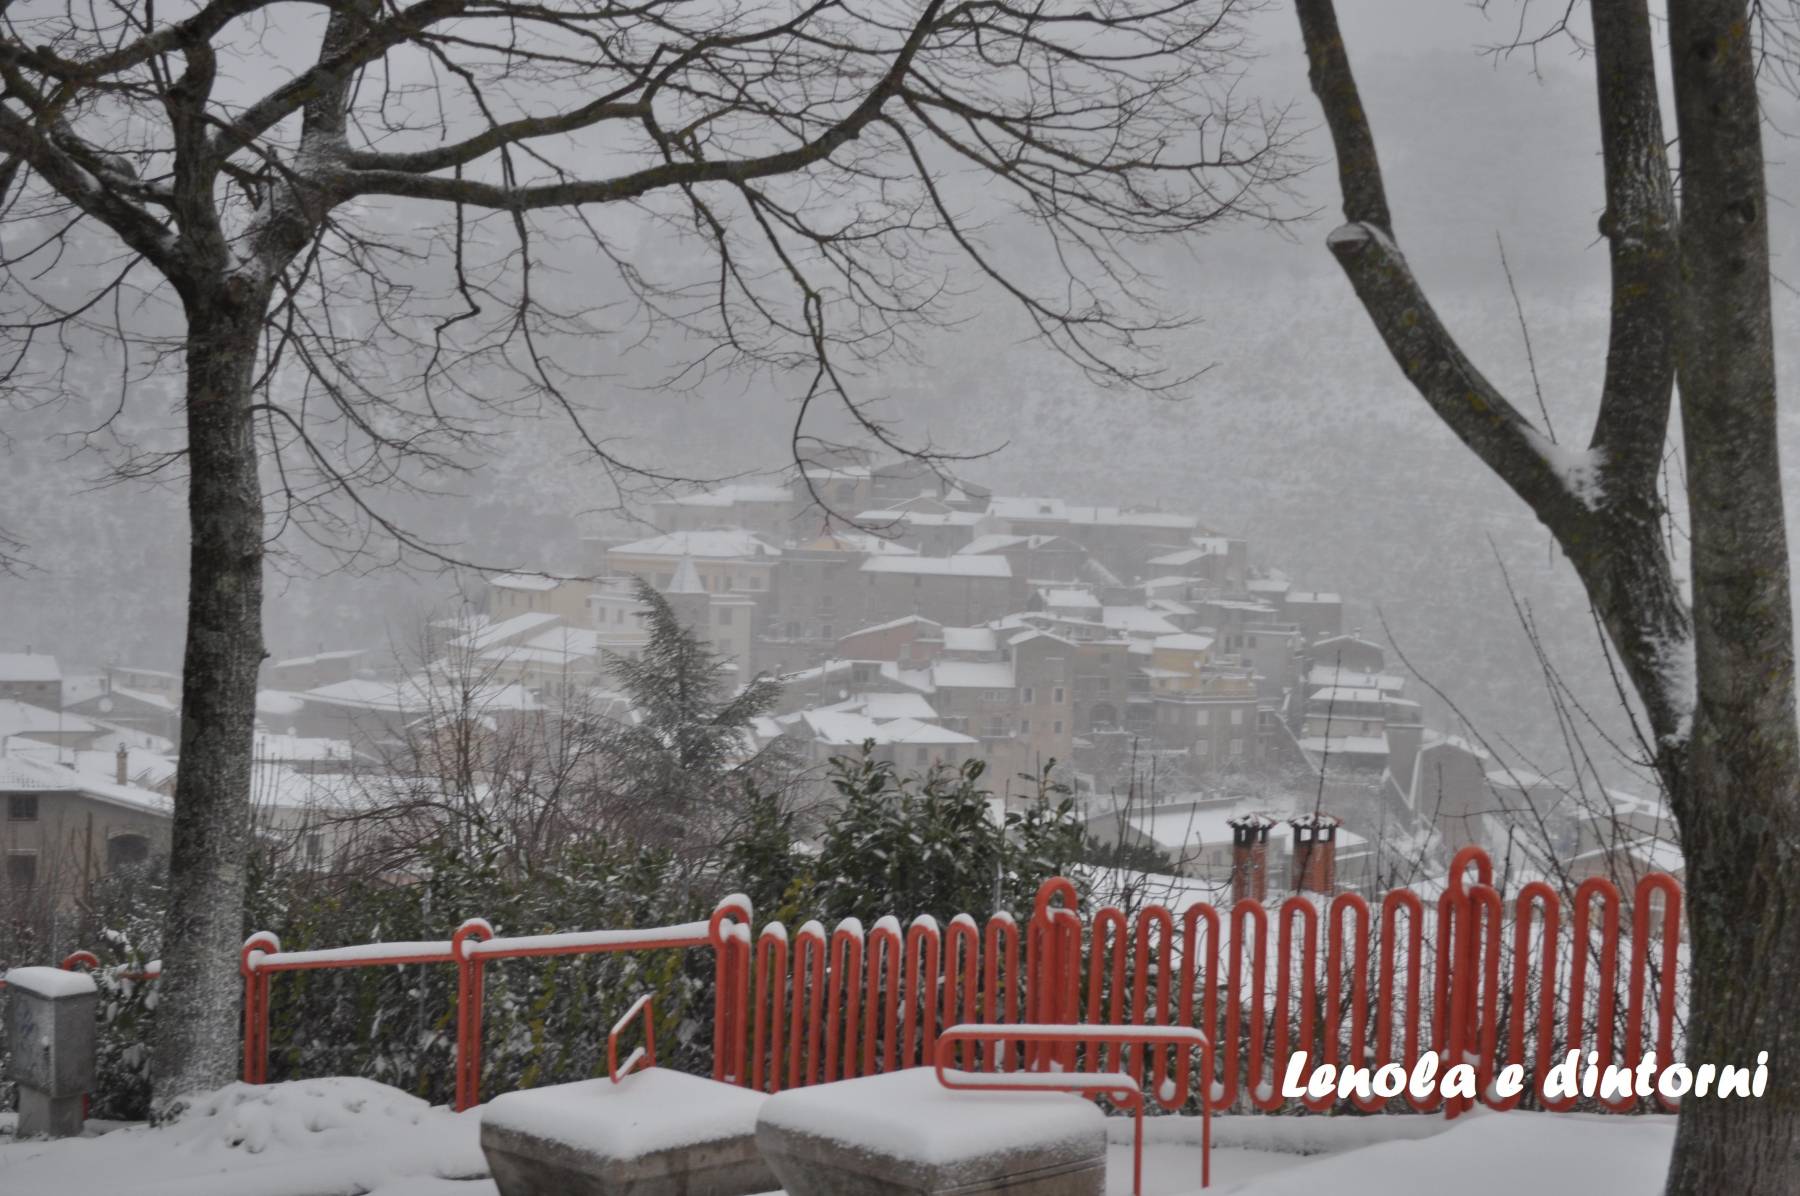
{"x": 676, "y": 767}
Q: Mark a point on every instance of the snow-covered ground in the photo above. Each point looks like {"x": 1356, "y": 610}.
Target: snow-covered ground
{"x": 350, "y": 1137}
{"x": 339, "y": 1136}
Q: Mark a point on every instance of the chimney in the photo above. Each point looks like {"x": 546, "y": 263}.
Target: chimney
{"x": 1250, "y": 857}
{"x": 1313, "y": 867}
{"x": 122, "y": 765}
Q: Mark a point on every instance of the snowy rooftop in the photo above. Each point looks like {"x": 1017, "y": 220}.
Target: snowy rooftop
{"x": 1137, "y": 620}
{"x": 992, "y": 542}
{"x": 847, "y": 728}
{"x": 941, "y": 566}
{"x": 1026, "y": 508}
{"x": 862, "y": 542}
{"x": 739, "y": 492}
{"x": 1324, "y": 675}
{"x": 886, "y": 706}
{"x": 1346, "y": 745}
{"x": 29, "y": 666}
{"x": 509, "y": 630}
{"x": 22, "y": 718}
{"x": 1337, "y": 695}
{"x": 1183, "y": 642}
{"x": 921, "y": 518}
{"x": 722, "y": 544}
{"x": 970, "y": 639}
{"x": 22, "y": 774}
{"x": 894, "y": 624}
{"x": 1184, "y": 829}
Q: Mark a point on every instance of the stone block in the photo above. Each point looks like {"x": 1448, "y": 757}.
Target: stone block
{"x": 656, "y": 1133}
{"x": 904, "y": 1134}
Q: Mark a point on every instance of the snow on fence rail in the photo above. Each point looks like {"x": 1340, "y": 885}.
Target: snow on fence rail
{"x": 1471, "y": 976}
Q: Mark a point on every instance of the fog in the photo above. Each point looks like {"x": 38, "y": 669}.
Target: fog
{"x": 1300, "y": 437}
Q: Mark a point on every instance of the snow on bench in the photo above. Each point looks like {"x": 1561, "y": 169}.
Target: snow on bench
{"x": 904, "y": 1133}
{"x": 654, "y": 1133}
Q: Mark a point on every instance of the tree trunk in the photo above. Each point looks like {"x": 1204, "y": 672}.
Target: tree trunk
{"x": 197, "y": 1024}
{"x": 1736, "y": 781}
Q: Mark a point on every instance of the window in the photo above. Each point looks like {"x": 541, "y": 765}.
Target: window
{"x": 1237, "y": 716}
{"x": 23, "y": 808}
{"x": 1202, "y": 717}
{"x": 21, "y": 869}
{"x": 997, "y": 728}
{"x": 126, "y": 849}
{"x": 1057, "y": 729}
{"x": 1025, "y": 697}
{"x": 725, "y": 616}
{"x": 1057, "y": 696}
{"x": 921, "y": 755}
{"x": 827, "y": 632}
{"x": 825, "y": 601}
{"x": 1024, "y": 726}
{"x": 1237, "y": 748}
{"x": 1202, "y": 748}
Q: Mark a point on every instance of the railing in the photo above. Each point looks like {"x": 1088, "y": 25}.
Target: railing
{"x": 1360, "y": 999}
{"x": 470, "y": 949}
{"x": 1393, "y": 981}
{"x": 1123, "y": 1088}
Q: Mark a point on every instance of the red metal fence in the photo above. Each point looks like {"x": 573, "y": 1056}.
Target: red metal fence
{"x": 1391, "y": 982}
{"x": 1471, "y": 976}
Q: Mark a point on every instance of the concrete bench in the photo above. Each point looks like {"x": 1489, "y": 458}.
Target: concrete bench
{"x": 654, "y": 1133}
{"x": 904, "y": 1133}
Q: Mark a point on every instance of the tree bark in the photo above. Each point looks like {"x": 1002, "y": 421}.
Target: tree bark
{"x": 1716, "y": 678}
{"x": 197, "y": 1049}
{"x": 1737, "y": 778}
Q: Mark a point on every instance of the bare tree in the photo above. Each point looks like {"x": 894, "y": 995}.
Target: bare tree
{"x": 1714, "y": 674}
{"x": 285, "y": 173}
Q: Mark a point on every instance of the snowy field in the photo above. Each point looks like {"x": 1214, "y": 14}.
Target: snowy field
{"x": 351, "y": 1137}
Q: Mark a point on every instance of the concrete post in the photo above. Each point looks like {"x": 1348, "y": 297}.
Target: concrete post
{"x": 50, "y": 1019}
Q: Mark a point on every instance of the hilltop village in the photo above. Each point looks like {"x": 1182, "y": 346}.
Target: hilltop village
{"x": 1205, "y": 710}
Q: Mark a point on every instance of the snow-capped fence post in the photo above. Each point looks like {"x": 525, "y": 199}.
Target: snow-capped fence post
{"x": 469, "y": 981}
{"x": 256, "y": 1004}
{"x": 1053, "y": 969}
{"x": 50, "y": 1023}
{"x": 728, "y": 933}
